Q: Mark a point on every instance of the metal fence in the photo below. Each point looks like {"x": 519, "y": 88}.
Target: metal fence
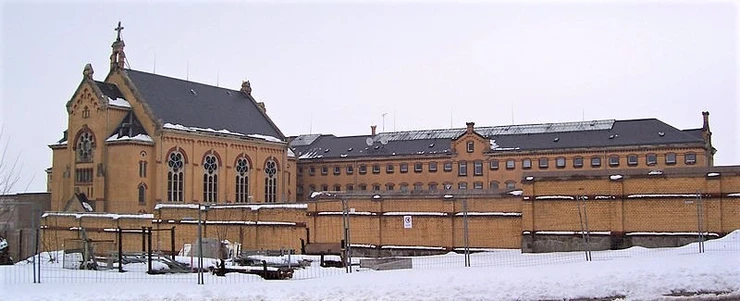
{"x": 351, "y": 235}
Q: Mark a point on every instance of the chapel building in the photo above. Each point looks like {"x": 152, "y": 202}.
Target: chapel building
{"x": 137, "y": 139}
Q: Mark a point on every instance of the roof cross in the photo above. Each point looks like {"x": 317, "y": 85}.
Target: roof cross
{"x": 118, "y": 29}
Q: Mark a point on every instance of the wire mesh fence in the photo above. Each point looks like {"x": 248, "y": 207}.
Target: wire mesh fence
{"x": 359, "y": 235}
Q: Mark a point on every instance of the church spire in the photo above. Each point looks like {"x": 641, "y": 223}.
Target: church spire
{"x": 118, "y": 57}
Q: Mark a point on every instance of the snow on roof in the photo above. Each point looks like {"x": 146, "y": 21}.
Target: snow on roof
{"x": 265, "y": 137}
{"x": 415, "y": 213}
{"x": 87, "y": 206}
{"x": 554, "y": 197}
{"x": 663, "y": 195}
{"x": 291, "y": 154}
{"x": 103, "y": 215}
{"x": 139, "y": 137}
{"x": 253, "y": 207}
{"x": 119, "y": 102}
{"x": 363, "y": 246}
{"x": 180, "y": 127}
{"x": 489, "y": 214}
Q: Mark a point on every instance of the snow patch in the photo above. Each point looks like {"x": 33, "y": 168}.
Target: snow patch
{"x": 516, "y": 192}
{"x": 616, "y": 177}
{"x": 415, "y": 213}
{"x": 489, "y": 214}
{"x": 119, "y": 102}
{"x": 139, "y": 137}
{"x": 663, "y": 195}
{"x": 554, "y": 197}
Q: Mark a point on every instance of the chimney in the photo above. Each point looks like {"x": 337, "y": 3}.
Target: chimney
{"x": 705, "y": 127}
{"x": 372, "y": 129}
{"x": 470, "y": 127}
{"x": 262, "y": 107}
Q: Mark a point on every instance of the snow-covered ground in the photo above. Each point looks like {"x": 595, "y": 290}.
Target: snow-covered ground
{"x": 632, "y": 274}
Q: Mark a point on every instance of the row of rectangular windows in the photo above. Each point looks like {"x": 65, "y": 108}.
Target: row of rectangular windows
{"x": 493, "y": 185}
{"x": 560, "y": 162}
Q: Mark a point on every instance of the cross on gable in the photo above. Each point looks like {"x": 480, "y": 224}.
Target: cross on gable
{"x": 118, "y": 29}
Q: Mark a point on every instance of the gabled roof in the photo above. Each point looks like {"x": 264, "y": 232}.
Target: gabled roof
{"x": 199, "y": 105}
{"x": 588, "y": 134}
{"x": 110, "y": 90}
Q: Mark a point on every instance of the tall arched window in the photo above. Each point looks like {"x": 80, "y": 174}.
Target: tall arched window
{"x": 210, "y": 178}
{"x": 142, "y": 194}
{"x": 242, "y": 180}
{"x": 271, "y": 181}
{"x": 175, "y": 176}
{"x": 84, "y": 146}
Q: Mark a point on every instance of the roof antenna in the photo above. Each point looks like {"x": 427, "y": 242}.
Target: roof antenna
{"x": 310, "y": 123}
{"x": 583, "y": 114}
{"x": 450, "y": 118}
{"x": 154, "y": 68}
{"x": 187, "y": 70}
{"x": 512, "y": 113}
{"x": 217, "y": 74}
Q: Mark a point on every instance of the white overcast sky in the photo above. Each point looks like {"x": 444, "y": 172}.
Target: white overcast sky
{"x": 331, "y": 67}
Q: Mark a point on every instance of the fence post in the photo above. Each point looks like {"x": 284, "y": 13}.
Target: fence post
{"x": 584, "y": 225}
{"x": 200, "y": 247}
{"x": 700, "y": 220}
{"x": 149, "y": 249}
{"x": 466, "y": 245}
{"x": 347, "y": 239}
{"x": 172, "y": 242}
{"x": 120, "y": 250}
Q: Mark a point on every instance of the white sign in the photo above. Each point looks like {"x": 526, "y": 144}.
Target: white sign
{"x": 407, "y": 221}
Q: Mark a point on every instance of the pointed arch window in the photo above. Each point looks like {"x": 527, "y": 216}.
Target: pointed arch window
{"x": 175, "y": 176}
{"x": 142, "y": 194}
{"x": 85, "y": 144}
{"x": 210, "y": 178}
{"x": 271, "y": 181}
{"x": 242, "y": 180}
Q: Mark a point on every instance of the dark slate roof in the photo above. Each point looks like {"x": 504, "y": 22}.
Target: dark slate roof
{"x": 695, "y": 132}
{"x": 618, "y": 133}
{"x": 330, "y": 146}
{"x": 199, "y": 105}
{"x": 110, "y": 90}
{"x": 130, "y": 127}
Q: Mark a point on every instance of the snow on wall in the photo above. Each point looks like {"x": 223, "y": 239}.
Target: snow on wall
{"x": 662, "y": 195}
{"x": 554, "y": 197}
{"x": 413, "y": 247}
{"x": 349, "y": 213}
{"x": 253, "y": 207}
{"x": 671, "y": 233}
{"x": 104, "y": 215}
{"x": 415, "y": 213}
{"x": 490, "y": 214}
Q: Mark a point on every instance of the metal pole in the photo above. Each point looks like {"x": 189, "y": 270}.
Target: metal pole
{"x": 200, "y": 248}
{"x": 699, "y": 222}
{"x": 583, "y": 231}
{"x": 149, "y": 249}
{"x": 588, "y": 234}
{"x": 172, "y": 243}
{"x": 345, "y": 227}
{"x": 120, "y": 250}
{"x": 35, "y": 248}
{"x": 466, "y": 245}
